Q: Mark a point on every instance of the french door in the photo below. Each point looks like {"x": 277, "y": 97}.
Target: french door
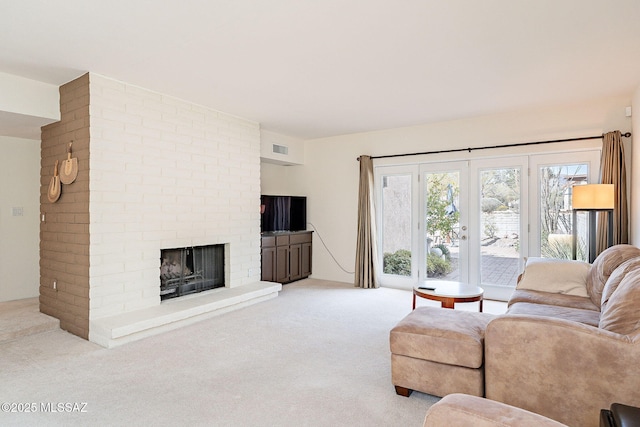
{"x": 444, "y": 221}
{"x": 500, "y": 200}
{"x": 475, "y": 221}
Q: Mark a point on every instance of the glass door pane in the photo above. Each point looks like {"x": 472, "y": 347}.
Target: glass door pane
{"x": 397, "y": 209}
{"x": 443, "y": 228}
{"x": 555, "y": 208}
{"x": 500, "y": 226}
{"x": 442, "y": 225}
{"x": 554, "y": 177}
{"x": 396, "y": 225}
{"x": 499, "y": 199}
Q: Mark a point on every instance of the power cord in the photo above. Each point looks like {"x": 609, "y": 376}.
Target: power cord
{"x": 325, "y": 246}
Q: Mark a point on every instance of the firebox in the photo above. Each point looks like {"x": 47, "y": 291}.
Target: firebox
{"x": 190, "y": 270}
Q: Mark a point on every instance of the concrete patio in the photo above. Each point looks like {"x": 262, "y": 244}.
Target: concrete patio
{"x": 499, "y": 263}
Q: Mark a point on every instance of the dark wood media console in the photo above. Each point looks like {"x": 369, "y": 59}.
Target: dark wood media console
{"x": 286, "y": 256}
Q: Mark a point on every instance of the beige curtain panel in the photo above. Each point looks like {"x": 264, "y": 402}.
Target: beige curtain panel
{"x": 613, "y": 171}
{"x": 366, "y": 249}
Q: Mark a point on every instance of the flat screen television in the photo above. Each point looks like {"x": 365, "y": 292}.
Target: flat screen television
{"x": 283, "y": 213}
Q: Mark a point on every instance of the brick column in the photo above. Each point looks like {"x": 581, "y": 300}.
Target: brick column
{"x": 64, "y": 232}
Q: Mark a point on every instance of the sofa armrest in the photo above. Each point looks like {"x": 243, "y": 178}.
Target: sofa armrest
{"x": 564, "y": 370}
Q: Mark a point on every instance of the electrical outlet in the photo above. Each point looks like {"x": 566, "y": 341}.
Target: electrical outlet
{"x": 17, "y": 211}
{"x": 55, "y": 285}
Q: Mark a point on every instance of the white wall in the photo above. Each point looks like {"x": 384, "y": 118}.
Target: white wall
{"x": 166, "y": 173}
{"x": 330, "y": 173}
{"x": 634, "y": 217}
{"x": 294, "y": 147}
{"x": 277, "y": 171}
{"x": 280, "y": 180}
{"x": 19, "y": 235}
{"x": 29, "y": 97}
{"x": 26, "y": 105}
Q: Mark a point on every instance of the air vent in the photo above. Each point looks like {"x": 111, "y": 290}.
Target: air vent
{"x": 280, "y": 149}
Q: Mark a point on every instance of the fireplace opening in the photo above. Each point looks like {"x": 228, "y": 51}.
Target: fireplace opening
{"x": 185, "y": 271}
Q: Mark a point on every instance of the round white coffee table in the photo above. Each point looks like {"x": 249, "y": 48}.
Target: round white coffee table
{"x": 447, "y": 292}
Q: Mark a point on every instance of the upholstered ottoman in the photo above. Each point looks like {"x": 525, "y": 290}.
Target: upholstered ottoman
{"x": 439, "y": 351}
{"x": 462, "y": 410}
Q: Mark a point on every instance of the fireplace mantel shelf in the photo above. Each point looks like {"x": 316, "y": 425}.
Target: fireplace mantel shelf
{"x": 116, "y": 330}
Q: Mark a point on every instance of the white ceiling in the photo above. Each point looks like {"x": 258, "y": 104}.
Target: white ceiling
{"x": 315, "y": 68}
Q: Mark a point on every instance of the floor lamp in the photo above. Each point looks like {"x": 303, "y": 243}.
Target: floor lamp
{"x": 592, "y": 198}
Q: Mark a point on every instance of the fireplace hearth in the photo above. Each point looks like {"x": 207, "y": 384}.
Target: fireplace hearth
{"x": 189, "y": 270}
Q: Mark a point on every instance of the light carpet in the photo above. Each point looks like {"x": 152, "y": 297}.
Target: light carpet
{"x": 317, "y": 355}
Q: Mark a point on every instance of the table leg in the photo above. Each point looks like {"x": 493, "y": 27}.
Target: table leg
{"x": 414, "y": 301}
{"x": 480, "y": 304}
{"x": 448, "y": 303}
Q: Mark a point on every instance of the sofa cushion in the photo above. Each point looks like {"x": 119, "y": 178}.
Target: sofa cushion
{"x": 555, "y": 275}
{"x": 604, "y": 265}
{"x": 588, "y": 317}
{"x": 616, "y": 277}
{"x": 621, "y": 314}
{"x": 549, "y": 298}
{"x": 441, "y": 335}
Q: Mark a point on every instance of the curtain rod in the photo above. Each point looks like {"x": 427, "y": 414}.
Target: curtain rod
{"x": 519, "y": 144}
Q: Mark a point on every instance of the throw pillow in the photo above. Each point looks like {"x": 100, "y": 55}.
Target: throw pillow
{"x": 616, "y": 277}
{"x": 621, "y": 314}
{"x": 604, "y": 265}
{"x": 555, "y": 275}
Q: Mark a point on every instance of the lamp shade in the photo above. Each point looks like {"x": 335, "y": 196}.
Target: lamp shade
{"x": 593, "y": 196}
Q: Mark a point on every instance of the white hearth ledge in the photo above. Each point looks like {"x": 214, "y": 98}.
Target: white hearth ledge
{"x": 175, "y": 313}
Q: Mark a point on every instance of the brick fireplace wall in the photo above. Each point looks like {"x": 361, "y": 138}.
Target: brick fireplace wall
{"x": 161, "y": 173}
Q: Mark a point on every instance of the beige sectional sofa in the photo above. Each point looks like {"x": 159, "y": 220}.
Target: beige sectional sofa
{"x": 569, "y": 356}
{"x": 568, "y": 346}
